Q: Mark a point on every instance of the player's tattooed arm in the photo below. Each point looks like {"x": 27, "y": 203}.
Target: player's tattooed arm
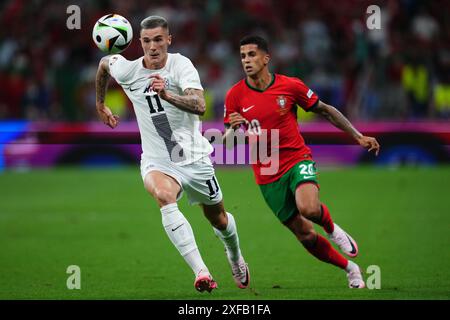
{"x": 192, "y": 101}
{"x": 101, "y": 85}
{"x": 340, "y": 121}
{"x": 101, "y": 80}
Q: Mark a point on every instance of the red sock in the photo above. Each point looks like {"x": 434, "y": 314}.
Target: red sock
{"x": 326, "y": 221}
{"x": 323, "y": 250}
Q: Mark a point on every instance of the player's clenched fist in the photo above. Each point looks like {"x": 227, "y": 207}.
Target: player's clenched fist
{"x": 107, "y": 116}
{"x": 369, "y": 143}
{"x": 158, "y": 85}
{"x": 236, "y": 120}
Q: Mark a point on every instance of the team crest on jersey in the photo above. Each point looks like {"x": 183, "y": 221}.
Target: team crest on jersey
{"x": 282, "y": 102}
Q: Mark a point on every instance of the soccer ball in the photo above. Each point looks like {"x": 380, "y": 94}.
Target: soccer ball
{"x": 112, "y": 33}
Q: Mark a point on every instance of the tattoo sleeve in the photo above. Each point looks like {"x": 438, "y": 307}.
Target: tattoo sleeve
{"x": 192, "y": 101}
{"x": 334, "y": 116}
{"x": 101, "y": 81}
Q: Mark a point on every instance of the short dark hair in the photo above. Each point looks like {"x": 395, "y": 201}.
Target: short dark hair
{"x": 259, "y": 41}
{"x": 154, "y": 22}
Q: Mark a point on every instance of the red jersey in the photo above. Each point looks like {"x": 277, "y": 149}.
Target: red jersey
{"x": 273, "y": 108}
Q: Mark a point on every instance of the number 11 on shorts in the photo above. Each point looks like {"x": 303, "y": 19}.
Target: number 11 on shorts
{"x": 212, "y": 189}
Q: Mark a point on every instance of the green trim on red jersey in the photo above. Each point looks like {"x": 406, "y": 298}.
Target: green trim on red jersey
{"x": 259, "y": 90}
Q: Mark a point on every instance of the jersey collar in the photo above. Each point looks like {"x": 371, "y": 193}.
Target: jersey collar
{"x": 259, "y": 90}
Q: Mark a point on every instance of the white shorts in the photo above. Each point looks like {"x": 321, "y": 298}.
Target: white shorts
{"x": 197, "y": 179}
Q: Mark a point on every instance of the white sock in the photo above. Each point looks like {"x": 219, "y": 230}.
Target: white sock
{"x": 351, "y": 266}
{"x": 230, "y": 238}
{"x": 180, "y": 233}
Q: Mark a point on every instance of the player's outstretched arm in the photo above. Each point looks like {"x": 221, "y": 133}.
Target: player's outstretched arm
{"x": 101, "y": 85}
{"x": 192, "y": 101}
{"x": 340, "y": 121}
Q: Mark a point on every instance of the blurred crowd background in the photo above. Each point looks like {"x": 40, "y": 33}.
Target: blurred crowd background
{"x": 400, "y": 72}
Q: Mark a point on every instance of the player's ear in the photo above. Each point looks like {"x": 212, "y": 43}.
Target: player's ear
{"x": 169, "y": 39}
{"x": 266, "y": 59}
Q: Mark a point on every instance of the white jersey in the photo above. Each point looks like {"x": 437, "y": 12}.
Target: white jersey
{"x": 167, "y": 133}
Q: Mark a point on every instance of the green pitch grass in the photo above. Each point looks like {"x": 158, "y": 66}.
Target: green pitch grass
{"x": 104, "y": 222}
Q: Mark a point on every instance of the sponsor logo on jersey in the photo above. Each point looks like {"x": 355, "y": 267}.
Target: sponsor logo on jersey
{"x": 177, "y": 227}
{"x": 248, "y": 108}
{"x": 133, "y": 89}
